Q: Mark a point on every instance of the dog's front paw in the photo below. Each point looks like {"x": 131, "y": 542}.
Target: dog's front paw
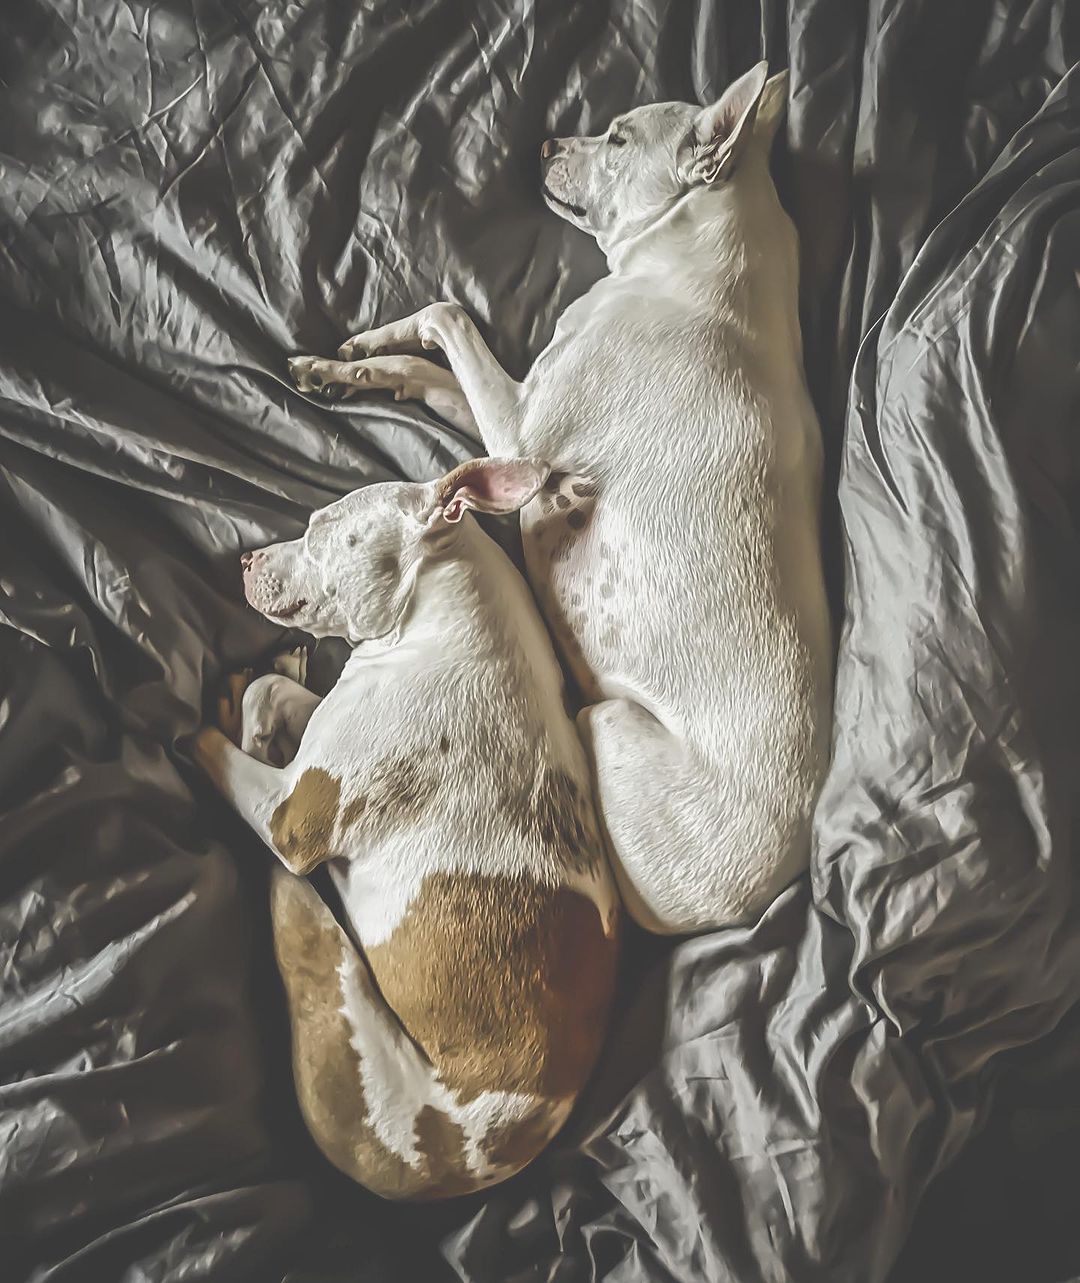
{"x": 358, "y": 347}
{"x": 304, "y": 373}
{"x": 206, "y": 748}
{"x": 230, "y": 705}
{"x": 316, "y": 374}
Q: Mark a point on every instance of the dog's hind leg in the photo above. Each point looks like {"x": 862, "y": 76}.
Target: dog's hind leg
{"x": 369, "y": 1095}
{"x": 683, "y": 855}
{"x": 409, "y": 378}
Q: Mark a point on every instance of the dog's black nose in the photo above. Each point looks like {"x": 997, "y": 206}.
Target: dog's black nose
{"x": 246, "y": 558}
{"x": 549, "y": 148}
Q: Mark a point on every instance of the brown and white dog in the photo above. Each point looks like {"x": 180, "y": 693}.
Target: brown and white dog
{"x": 447, "y": 788}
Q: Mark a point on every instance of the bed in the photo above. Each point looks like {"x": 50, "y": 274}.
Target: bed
{"x": 877, "y": 1081}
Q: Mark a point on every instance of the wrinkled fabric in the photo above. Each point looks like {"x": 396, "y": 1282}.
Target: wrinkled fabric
{"x": 879, "y": 1079}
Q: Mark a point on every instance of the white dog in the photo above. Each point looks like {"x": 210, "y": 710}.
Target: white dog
{"x": 676, "y": 550}
{"x": 446, "y": 785}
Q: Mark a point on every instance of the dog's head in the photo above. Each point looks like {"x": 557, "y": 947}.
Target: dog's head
{"x": 618, "y": 183}
{"x": 353, "y": 571}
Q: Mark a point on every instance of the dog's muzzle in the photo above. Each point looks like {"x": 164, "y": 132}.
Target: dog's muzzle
{"x": 264, "y": 590}
{"x": 550, "y": 151}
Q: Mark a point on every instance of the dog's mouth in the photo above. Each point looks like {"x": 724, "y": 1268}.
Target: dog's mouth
{"x": 289, "y": 612}
{"x": 577, "y": 210}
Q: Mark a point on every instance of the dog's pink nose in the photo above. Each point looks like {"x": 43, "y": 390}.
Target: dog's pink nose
{"x": 549, "y": 148}
{"x": 246, "y": 558}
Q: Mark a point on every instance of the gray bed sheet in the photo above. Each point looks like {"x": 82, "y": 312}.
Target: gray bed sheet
{"x": 190, "y": 190}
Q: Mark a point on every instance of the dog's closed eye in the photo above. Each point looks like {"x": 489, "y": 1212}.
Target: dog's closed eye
{"x": 616, "y": 140}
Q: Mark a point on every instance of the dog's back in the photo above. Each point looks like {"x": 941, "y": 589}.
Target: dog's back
{"x": 683, "y": 579}
{"x": 443, "y": 1056}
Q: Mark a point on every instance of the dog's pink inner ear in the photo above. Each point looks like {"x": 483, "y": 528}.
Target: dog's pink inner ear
{"x": 490, "y": 485}
{"x": 723, "y": 130}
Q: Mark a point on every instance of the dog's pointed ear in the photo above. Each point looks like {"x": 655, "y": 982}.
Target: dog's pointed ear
{"x": 489, "y": 485}
{"x": 720, "y": 133}
{"x": 771, "y": 107}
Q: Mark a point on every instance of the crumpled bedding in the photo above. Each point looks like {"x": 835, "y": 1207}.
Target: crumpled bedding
{"x": 876, "y": 1081}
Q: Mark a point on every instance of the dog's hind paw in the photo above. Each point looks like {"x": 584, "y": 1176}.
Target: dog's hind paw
{"x": 230, "y": 704}
{"x": 292, "y": 663}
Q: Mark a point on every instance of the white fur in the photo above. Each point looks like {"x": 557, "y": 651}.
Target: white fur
{"x": 691, "y": 605}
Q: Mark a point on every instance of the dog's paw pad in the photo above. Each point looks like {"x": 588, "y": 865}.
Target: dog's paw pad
{"x": 310, "y": 374}
{"x": 302, "y": 373}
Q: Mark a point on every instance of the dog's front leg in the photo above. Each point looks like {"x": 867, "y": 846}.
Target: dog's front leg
{"x": 252, "y": 788}
{"x": 492, "y": 395}
{"x": 410, "y": 378}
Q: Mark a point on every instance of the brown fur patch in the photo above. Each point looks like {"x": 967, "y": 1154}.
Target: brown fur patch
{"x": 576, "y": 520}
{"x": 302, "y": 826}
{"x": 504, "y": 983}
{"x": 395, "y": 793}
{"x": 560, "y": 816}
{"x": 442, "y": 1143}
{"x": 310, "y": 947}
{"x": 519, "y": 1144}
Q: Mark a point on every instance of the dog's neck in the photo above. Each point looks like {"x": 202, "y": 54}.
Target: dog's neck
{"x": 705, "y": 227}
{"x": 456, "y": 598}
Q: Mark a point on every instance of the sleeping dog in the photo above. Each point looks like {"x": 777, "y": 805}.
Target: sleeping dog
{"x": 447, "y": 788}
{"x": 675, "y": 551}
